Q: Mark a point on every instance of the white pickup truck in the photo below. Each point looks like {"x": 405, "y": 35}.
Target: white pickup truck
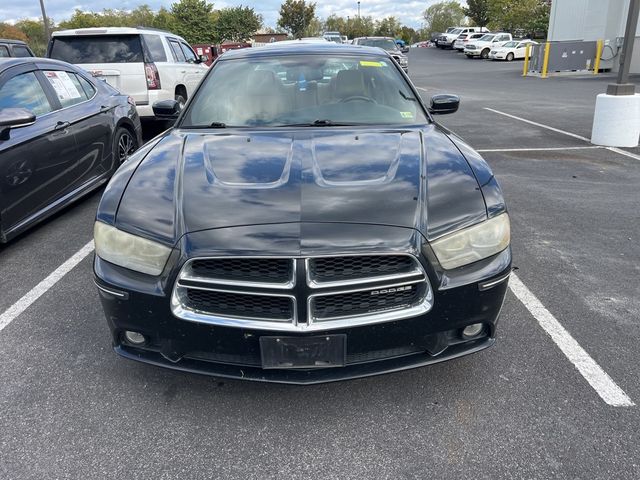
{"x": 483, "y": 45}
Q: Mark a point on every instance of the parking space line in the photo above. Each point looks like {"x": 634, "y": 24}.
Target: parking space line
{"x": 534, "y": 149}
{"x": 40, "y": 289}
{"x": 541, "y": 125}
{"x": 601, "y": 382}
{"x": 624, "y": 152}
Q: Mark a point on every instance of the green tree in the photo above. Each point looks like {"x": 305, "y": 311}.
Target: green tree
{"x": 334, "y": 23}
{"x": 193, "y": 20}
{"x": 480, "y": 11}
{"x": 528, "y": 16}
{"x": 408, "y": 34}
{"x": 34, "y": 31}
{"x": 361, "y": 27}
{"x": 296, "y": 16}
{"x": 388, "y": 27}
{"x": 440, "y": 16}
{"x": 164, "y": 20}
{"x": 80, "y": 19}
{"x": 237, "y": 24}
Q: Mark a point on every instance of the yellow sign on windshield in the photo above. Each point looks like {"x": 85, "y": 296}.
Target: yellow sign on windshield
{"x": 367, "y": 63}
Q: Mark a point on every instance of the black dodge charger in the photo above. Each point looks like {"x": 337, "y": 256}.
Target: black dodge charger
{"x": 304, "y": 221}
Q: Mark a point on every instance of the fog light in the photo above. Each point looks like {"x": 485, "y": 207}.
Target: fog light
{"x": 135, "y": 337}
{"x": 473, "y": 330}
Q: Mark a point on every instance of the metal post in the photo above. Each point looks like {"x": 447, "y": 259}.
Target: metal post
{"x": 545, "y": 61}
{"x": 527, "y": 53}
{"x": 596, "y": 61}
{"x": 45, "y": 21}
{"x": 358, "y": 9}
{"x": 623, "y": 87}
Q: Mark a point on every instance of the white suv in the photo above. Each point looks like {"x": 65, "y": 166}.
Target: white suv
{"x": 149, "y": 65}
{"x": 483, "y": 46}
{"x": 446, "y": 40}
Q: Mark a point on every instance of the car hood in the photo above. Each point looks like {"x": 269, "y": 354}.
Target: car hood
{"x": 204, "y": 180}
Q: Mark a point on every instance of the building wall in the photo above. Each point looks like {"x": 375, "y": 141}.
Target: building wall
{"x": 594, "y": 20}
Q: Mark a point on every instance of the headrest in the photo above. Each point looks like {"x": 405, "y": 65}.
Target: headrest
{"x": 349, "y": 83}
{"x": 310, "y": 74}
{"x": 261, "y": 80}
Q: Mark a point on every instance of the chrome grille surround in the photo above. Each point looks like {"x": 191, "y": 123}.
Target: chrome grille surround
{"x": 378, "y": 310}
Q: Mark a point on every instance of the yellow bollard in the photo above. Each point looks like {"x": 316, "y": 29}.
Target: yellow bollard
{"x": 527, "y": 52}
{"x": 545, "y": 63}
{"x": 596, "y": 61}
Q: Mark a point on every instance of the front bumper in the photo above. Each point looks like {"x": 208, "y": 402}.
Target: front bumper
{"x": 472, "y": 53}
{"x": 460, "y": 299}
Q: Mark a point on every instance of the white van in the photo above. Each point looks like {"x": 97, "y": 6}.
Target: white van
{"x": 148, "y": 65}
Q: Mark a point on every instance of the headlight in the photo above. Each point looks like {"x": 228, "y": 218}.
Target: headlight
{"x": 129, "y": 251}
{"x": 473, "y": 243}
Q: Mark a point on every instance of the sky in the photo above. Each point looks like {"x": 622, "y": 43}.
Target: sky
{"x": 408, "y": 11}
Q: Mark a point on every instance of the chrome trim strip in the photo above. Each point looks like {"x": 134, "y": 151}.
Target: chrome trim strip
{"x": 186, "y": 274}
{"x": 419, "y": 270}
{"x": 110, "y": 292}
{"x": 487, "y": 285}
{"x": 181, "y": 310}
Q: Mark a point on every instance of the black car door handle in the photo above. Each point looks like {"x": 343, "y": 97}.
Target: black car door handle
{"x": 104, "y": 108}
{"x": 62, "y": 125}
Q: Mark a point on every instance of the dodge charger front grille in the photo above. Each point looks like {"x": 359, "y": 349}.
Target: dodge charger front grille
{"x": 337, "y": 291}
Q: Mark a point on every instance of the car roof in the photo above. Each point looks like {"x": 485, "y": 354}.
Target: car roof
{"x": 300, "y": 48}
{"x": 10, "y": 40}
{"x": 109, "y": 31}
{"x": 9, "y": 62}
{"x": 375, "y": 38}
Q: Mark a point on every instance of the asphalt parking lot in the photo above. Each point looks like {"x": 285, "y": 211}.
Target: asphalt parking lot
{"x": 556, "y": 397}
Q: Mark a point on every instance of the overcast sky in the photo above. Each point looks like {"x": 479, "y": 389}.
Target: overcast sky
{"x": 408, "y": 11}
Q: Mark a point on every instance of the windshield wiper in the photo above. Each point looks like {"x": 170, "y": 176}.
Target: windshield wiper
{"x": 404, "y": 95}
{"x": 325, "y": 122}
{"x": 217, "y": 125}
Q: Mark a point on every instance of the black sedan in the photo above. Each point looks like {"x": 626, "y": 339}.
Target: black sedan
{"x": 311, "y": 224}
{"x": 62, "y": 134}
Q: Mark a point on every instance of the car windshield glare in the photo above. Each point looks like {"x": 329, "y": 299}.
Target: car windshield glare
{"x": 486, "y": 38}
{"x": 511, "y": 44}
{"x": 304, "y": 90}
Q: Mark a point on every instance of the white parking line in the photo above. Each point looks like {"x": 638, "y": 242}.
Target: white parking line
{"x": 569, "y": 134}
{"x": 557, "y": 130}
{"x": 602, "y": 383}
{"x": 534, "y": 149}
{"x": 40, "y": 289}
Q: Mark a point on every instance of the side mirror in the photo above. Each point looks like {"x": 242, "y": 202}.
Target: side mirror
{"x": 166, "y": 109}
{"x": 14, "y": 118}
{"x": 444, "y": 104}
{"x": 203, "y": 59}
{"x": 404, "y": 49}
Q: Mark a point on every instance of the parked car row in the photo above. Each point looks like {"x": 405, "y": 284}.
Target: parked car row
{"x": 476, "y": 42}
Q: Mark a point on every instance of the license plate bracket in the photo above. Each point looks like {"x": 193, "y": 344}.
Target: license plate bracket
{"x": 322, "y": 351}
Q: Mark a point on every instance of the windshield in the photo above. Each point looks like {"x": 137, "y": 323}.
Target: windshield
{"x": 510, "y": 44}
{"x": 486, "y": 38}
{"x": 304, "y": 90}
{"x": 456, "y": 31}
{"x": 384, "y": 43}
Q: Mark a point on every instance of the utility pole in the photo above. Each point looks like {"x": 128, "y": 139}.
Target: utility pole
{"x": 623, "y": 87}
{"x": 45, "y": 21}
{"x": 358, "y": 9}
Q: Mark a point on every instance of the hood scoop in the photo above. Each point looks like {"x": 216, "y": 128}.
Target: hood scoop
{"x": 248, "y": 162}
{"x": 356, "y": 160}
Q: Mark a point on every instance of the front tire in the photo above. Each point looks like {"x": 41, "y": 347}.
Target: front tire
{"x": 510, "y": 57}
{"x": 124, "y": 144}
{"x": 485, "y": 54}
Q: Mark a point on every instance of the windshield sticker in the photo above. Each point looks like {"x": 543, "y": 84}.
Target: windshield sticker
{"x": 367, "y": 63}
{"x": 406, "y": 114}
{"x": 62, "y": 84}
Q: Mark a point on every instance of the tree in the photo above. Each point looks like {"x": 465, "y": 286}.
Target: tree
{"x": 388, "y": 27}
{"x": 34, "y": 31}
{"x": 440, "y": 16}
{"x": 296, "y": 16}
{"x": 361, "y": 27}
{"x": 334, "y": 23}
{"x": 479, "y": 11}
{"x": 528, "y": 16}
{"x": 194, "y": 21}
{"x": 237, "y": 24}
{"x": 11, "y": 32}
{"x": 408, "y": 34}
